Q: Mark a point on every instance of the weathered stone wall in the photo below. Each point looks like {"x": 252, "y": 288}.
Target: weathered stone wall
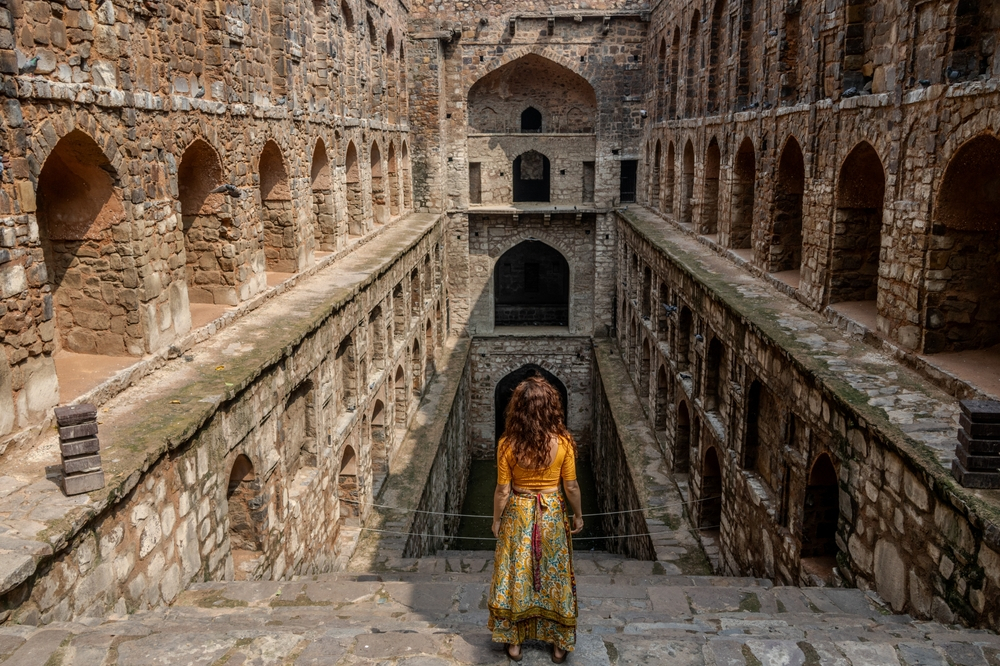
{"x": 905, "y": 528}
{"x": 770, "y": 78}
{"x": 118, "y": 121}
{"x": 614, "y": 472}
{"x": 493, "y": 358}
{"x": 272, "y": 481}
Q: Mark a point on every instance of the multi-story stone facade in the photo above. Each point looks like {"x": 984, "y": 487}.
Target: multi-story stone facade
{"x": 277, "y": 220}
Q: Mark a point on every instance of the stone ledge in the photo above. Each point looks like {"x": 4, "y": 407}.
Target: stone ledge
{"x": 769, "y": 316}
{"x": 45, "y": 521}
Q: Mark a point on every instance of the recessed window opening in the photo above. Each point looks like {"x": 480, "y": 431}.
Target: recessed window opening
{"x": 531, "y": 177}
{"x": 531, "y": 286}
{"x": 531, "y": 120}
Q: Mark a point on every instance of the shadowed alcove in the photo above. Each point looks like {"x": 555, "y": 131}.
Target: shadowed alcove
{"x": 531, "y": 286}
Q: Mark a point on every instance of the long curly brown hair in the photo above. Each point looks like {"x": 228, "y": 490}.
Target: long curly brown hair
{"x": 534, "y": 414}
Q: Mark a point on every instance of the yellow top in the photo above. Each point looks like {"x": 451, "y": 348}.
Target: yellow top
{"x": 562, "y": 467}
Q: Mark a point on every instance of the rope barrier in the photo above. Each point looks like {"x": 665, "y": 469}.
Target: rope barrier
{"x": 575, "y": 538}
{"x": 481, "y": 516}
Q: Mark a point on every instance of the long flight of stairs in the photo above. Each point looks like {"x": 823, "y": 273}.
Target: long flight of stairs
{"x": 432, "y": 612}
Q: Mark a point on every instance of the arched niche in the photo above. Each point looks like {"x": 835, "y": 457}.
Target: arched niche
{"x": 79, "y": 205}
{"x": 786, "y": 222}
{"x": 531, "y": 81}
{"x": 393, "y": 181}
{"x": 280, "y": 248}
{"x": 965, "y": 314}
{"x": 355, "y": 196}
{"x": 246, "y": 520}
{"x": 348, "y": 488}
{"x": 321, "y": 181}
{"x": 531, "y": 177}
{"x": 379, "y": 438}
{"x": 821, "y": 510}
{"x": 687, "y": 185}
{"x": 710, "y": 200}
{"x": 505, "y": 389}
{"x": 399, "y": 390}
{"x": 407, "y": 183}
{"x": 531, "y": 285}
{"x": 682, "y": 439}
{"x": 857, "y": 238}
{"x": 710, "y": 511}
{"x": 654, "y": 190}
{"x": 531, "y": 120}
{"x": 378, "y": 187}
{"x": 744, "y": 186}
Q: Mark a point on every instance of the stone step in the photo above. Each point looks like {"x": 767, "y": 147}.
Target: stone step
{"x": 851, "y": 631}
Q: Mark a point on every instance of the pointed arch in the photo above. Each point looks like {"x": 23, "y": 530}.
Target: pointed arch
{"x": 378, "y": 187}
{"x": 675, "y": 55}
{"x": 531, "y": 286}
{"x": 355, "y": 199}
{"x": 687, "y": 185}
{"x": 655, "y": 176}
{"x": 743, "y": 196}
{"x": 964, "y": 314}
{"x": 716, "y": 36}
{"x": 786, "y": 218}
{"x": 407, "y": 182}
{"x": 671, "y": 179}
{"x": 682, "y": 439}
{"x": 392, "y": 183}
{"x": 690, "y": 101}
{"x": 710, "y": 497}
{"x": 210, "y": 278}
{"x": 857, "y": 237}
{"x": 324, "y": 221}
{"x": 246, "y": 522}
{"x": 280, "y": 248}
{"x": 79, "y": 205}
{"x": 821, "y": 510}
{"x": 710, "y": 199}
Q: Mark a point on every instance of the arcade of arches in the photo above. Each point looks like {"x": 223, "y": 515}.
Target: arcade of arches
{"x": 300, "y": 273}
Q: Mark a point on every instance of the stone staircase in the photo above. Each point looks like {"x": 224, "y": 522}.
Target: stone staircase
{"x": 432, "y": 612}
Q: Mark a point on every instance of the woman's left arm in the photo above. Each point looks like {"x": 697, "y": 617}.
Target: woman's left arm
{"x": 500, "y": 497}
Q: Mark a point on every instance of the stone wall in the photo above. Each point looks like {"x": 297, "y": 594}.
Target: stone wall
{"x": 118, "y": 123}
{"x": 763, "y": 80}
{"x": 269, "y": 478}
{"x": 495, "y": 357}
{"x": 804, "y": 424}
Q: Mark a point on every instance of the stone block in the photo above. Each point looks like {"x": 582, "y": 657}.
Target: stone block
{"x": 80, "y": 447}
{"x": 979, "y": 430}
{"x": 970, "y": 479}
{"x": 41, "y": 389}
{"x": 978, "y": 446}
{"x": 83, "y": 483}
{"x": 890, "y": 574}
{"x": 78, "y": 431}
{"x": 72, "y": 415}
{"x": 82, "y": 464}
{"x": 981, "y": 411}
{"x": 13, "y": 280}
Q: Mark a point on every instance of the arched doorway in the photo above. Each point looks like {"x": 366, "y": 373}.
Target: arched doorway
{"x": 355, "y": 200}
{"x": 710, "y": 514}
{"x": 505, "y": 389}
{"x": 378, "y": 187}
{"x": 964, "y": 314}
{"x": 324, "y": 221}
{"x": 280, "y": 248}
{"x": 710, "y": 204}
{"x": 245, "y": 516}
{"x": 687, "y": 185}
{"x": 744, "y": 181}
{"x": 531, "y": 286}
{"x": 348, "y": 490}
{"x": 786, "y": 223}
{"x": 821, "y": 510}
{"x": 79, "y": 206}
{"x": 531, "y": 120}
{"x": 857, "y": 239}
{"x": 682, "y": 439}
{"x": 209, "y": 279}
{"x": 393, "y": 184}
{"x": 380, "y": 442}
{"x": 531, "y": 177}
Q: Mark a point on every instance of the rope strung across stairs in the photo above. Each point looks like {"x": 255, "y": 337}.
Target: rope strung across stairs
{"x": 575, "y": 539}
{"x": 481, "y": 516}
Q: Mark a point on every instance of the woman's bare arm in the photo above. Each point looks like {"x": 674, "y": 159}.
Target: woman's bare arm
{"x": 572, "y": 489}
{"x": 500, "y": 497}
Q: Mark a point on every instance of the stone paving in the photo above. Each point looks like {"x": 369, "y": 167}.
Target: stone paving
{"x": 432, "y": 612}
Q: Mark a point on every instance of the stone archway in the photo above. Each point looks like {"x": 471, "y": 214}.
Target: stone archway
{"x": 247, "y": 519}
{"x": 505, "y": 389}
{"x": 280, "y": 246}
{"x": 531, "y": 286}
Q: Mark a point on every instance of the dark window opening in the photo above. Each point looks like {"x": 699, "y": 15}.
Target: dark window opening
{"x": 627, "y": 189}
{"x": 531, "y": 177}
{"x": 505, "y": 389}
{"x": 531, "y": 120}
{"x": 531, "y": 287}
{"x": 475, "y": 183}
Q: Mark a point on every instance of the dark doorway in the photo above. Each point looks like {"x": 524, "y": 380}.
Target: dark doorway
{"x": 627, "y": 188}
{"x": 506, "y": 388}
{"x": 531, "y": 286}
{"x": 531, "y": 120}
{"x": 531, "y": 177}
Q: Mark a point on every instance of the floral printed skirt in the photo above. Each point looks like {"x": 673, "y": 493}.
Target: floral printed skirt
{"x": 533, "y": 595}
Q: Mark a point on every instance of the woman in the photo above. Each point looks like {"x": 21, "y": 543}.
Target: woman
{"x": 533, "y": 595}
